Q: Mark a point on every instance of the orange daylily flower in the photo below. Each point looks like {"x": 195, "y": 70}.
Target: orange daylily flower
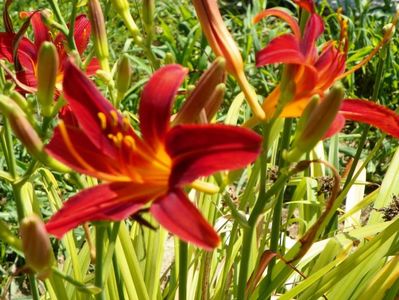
{"x": 150, "y": 170}
{"x": 313, "y": 73}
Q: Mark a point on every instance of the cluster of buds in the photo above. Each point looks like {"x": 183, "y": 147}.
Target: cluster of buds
{"x": 204, "y": 101}
{"x": 315, "y": 122}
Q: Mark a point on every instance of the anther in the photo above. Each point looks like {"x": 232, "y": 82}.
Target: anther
{"x": 103, "y": 120}
{"x": 129, "y": 141}
{"x": 114, "y": 116}
{"x": 125, "y": 124}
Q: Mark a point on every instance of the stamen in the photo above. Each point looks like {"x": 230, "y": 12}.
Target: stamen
{"x": 130, "y": 142}
{"x": 71, "y": 148}
{"x": 114, "y": 116}
{"x": 103, "y": 120}
{"x": 125, "y": 124}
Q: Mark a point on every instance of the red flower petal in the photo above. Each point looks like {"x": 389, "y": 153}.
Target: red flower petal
{"x": 336, "y": 126}
{"x": 86, "y": 103}
{"x": 202, "y": 150}
{"x": 93, "y": 156}
{"x": 371, "y": 113}
{"x": 27, "y": 54}
{"x": 156, "y": 101}
{"x": 314, "y": 28}
{"x": 178, "y": 215}
{"x": 306, "y": 4}
{"x": 283, "y": 49}
{"x": 282, "y": 15}
{"x": 81, "y": 33}
{"x": 114, "y": 201}
{"x": 40, "y": 30}
{"x": 93, "y": 67}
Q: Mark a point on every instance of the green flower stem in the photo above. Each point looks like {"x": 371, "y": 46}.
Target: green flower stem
{"x": 99, "y": 278}
{"x": 71, "y": 30}
{"x": 275, "y": 232}
{"x": 183, "y": 265}
{"x": 56, "y": 9}
{"x": 257, "y": 210}
{"x": 64, "y": 28}
{"x": 12, "y": 166}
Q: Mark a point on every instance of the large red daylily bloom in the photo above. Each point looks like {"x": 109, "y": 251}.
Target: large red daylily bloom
{"x": 139, "y": 171}
{"x": 27, "y": 51}
{"x": 314, "y": 73}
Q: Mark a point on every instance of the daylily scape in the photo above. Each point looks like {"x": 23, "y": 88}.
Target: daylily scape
{"x": 148, "y": 170}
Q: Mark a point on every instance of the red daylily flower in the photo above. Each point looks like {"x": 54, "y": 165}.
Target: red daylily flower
{"x": 138, "y": 171}
{"x": 27, "y": 51}
{"x": 314, "y": 73}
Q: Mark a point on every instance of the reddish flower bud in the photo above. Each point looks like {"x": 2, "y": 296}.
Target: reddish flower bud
{"x": 202, "y": 94}
{"x": 99, "y": 33}
{"x": 21, "y": 127}
{"x": 36, "y": 246}
{"x": 223, "y": 44}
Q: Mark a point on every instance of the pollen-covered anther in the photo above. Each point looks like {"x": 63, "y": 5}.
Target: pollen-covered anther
{"x": 116, "y": 138}
{"x": 114, "y": 118}
{"x": 129, "y": 142}
{"x": 103, "y": 120}
{"x": 125, "y": 124}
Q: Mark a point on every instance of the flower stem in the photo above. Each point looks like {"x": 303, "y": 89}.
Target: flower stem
{"x": 183, "y": 260}
{"x": 248, "y": 232}
{"x": 98, "y": 280}
{"x": 12, "y": 166}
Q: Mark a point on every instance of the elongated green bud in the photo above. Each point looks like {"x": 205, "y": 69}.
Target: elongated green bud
{"x": 122, "y": 8}
{"x": 148, "y": 15}
{"x": 47, "y": 70}
{"x": 99, "y": 33}
{"x": 36, "y": 246}
{"x": 199, "y": 97}
{"x": 123, "y": 77}
{"x": 318, "y": 121}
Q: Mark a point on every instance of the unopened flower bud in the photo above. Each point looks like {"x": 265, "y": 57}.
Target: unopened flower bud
{"x": 47, "y": 70}
{"x": 122, "y": 8}
{"x": 198, "y": 98}
{"x": 99, "y": 33}
{"x": 223, "y": 44}
{"x": 36, "y": 246}
{"x": 317, "y": 121}
{"x": 148, "y": 15}
{"x": 123, "y": 77}
{"x": 26, "y": 133}
{"x": 21, "y": 127}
